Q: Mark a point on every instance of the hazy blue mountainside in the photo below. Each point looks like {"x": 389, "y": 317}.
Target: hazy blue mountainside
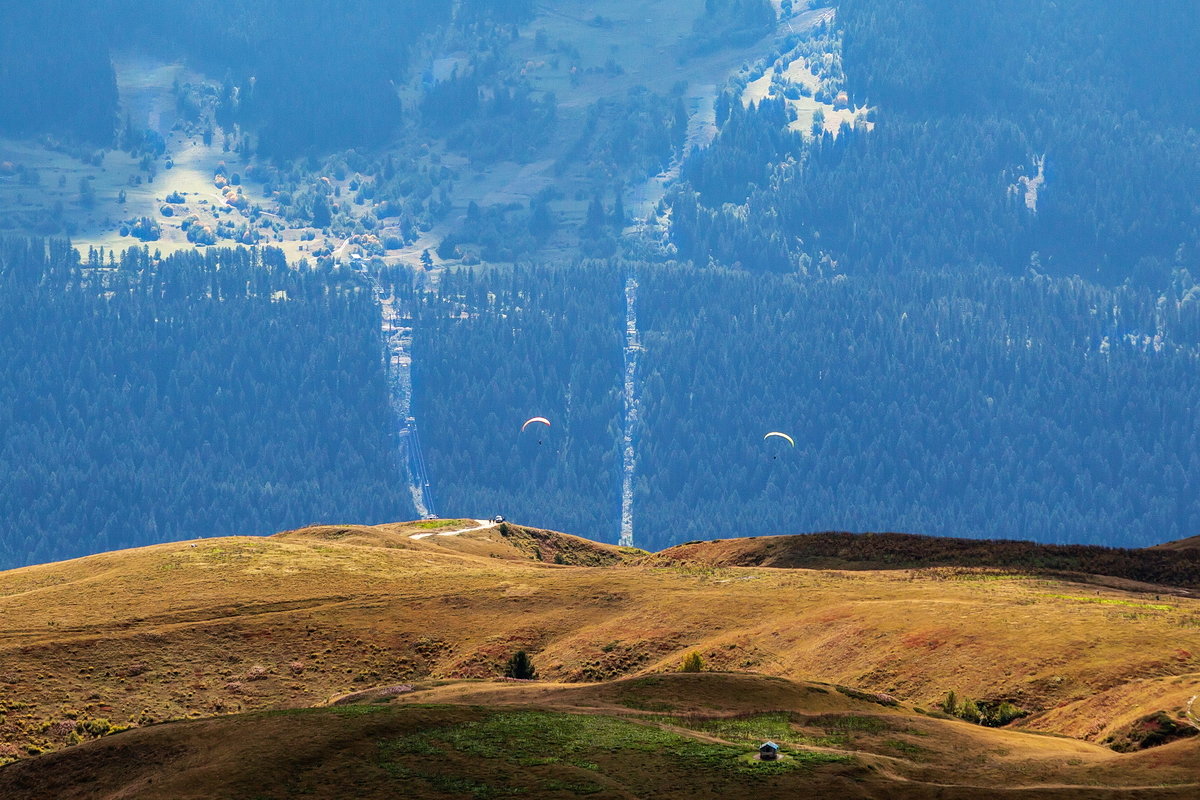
{"x": 201, "y": 395}
{"x": 55, "y": 72}
{"x": 970, "y": 98}
{"x": 493, "y": 350}
{"x": 281, "y": 61}
{"x": 952, "y": 248}
{"x": 949, "y": 404}
{"x": 968, "y": 405}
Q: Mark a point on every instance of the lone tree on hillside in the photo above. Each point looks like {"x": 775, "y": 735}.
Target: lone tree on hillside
{"x": 520, "y": 667}
{"x": 692, "y": 662}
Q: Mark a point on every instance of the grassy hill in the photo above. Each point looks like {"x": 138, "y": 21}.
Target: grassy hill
{"x": 1176, "y": 564}
{"x": 474, "y": 740}
{"x": 204, "y": 629}
{"x": 1192, "y": 543}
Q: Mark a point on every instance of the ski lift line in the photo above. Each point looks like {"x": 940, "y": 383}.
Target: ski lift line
{"x": 632, "y": 411}
{"x": 420, "y": 475}
{"x": 396, "y": 364}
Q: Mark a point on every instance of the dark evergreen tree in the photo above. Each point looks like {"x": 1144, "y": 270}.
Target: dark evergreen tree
{"x": 520, "y": 666}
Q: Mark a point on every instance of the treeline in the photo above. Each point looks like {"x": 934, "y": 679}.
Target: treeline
{"x": 493, "y": 349}
{"x": 907, "y": 551}
{"x": 488, "y": 115}
{"x": 970, "y": 99}
{"x": 730, "y": 22}
{"x": 146, "y": 400}
{"x": 629, "y": 138}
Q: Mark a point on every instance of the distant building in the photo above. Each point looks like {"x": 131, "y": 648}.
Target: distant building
{"x": 768, "y": 751}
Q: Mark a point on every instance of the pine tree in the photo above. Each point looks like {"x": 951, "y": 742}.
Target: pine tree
{"x": 520, "y": 666}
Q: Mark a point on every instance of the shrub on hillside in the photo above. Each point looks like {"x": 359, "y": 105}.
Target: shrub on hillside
{"x": 1151, "y": 730}
{"x": 146, "y": 229}
{"x": 520, "y": 666}
{"x": 692, "y": 662}
{"x": 993, "y": 714}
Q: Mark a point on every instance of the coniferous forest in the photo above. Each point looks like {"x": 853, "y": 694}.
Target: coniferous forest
{"x": 968, "y": 99}
{"x": 495, "y": 349}
{"x": 976, "y": 310}
{"x": 952, "y": 404}
{"x": 146, "y": 400}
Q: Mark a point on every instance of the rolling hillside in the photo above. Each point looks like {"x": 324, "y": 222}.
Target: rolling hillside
{"x": 1175, "y": 565}
{"x": 1192, "y": 543}
{"x": 219, "y": 626}
{"x": 661, "y": 736}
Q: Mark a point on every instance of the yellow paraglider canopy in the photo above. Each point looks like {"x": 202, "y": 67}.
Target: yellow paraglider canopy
{"x": 532, "y": 420}
{"x": 789, "y": 439}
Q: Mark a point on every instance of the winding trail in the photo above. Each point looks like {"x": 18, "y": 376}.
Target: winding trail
{"x": 480, "y": 525}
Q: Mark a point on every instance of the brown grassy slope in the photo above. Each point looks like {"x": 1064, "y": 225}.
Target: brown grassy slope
{"x": 1192, "y": 543}
{"x": 227, "y": 625}
{"x": 1177, "y": 566}
{"x": 507, "y": 541}
{"x": 1104, "y": 715}
{"x": 857, "y": 750}
{"x": 891, "y": 739}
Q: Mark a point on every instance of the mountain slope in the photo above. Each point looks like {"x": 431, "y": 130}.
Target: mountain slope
{"x": 540, "y": 741}
{"x": 236, "y": 624}
{"x": 1192, "y": 543}
{"x": 1176, "y": 564}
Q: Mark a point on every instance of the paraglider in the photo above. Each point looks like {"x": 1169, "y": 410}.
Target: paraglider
{"x": 780, "y": 435}
{"x": 538, "y": 420}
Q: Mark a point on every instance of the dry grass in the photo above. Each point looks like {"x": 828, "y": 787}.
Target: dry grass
{"x": 218, "y": 626}
{"x": 492, "y": 740}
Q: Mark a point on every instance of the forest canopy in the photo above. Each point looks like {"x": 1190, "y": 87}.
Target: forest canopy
{"x": 147, "y": 400}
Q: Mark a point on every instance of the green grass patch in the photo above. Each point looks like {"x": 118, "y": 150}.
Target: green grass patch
{"x": 851, "y": 722}
{"x": 907, "y": 748}
{"x": 751, "y": 730}
{"x": 441, "y": 524}
{"x": 1110, "y": 601}
{"x": 642, "y": 704}
{"x": 782, "y": 726}
{"x": 991, "y": 576}
{"x": 341, "y": 711}
{"x": 534, "y": 738}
